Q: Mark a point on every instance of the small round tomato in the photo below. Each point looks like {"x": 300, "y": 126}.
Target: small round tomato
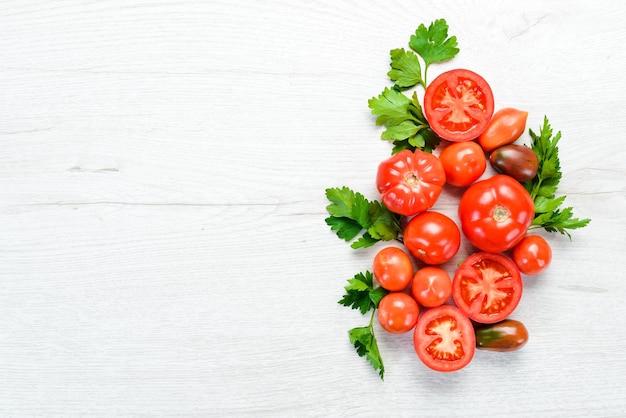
{"x": 495, "y": 213}
{"x": 532, "y": 255}
{"x": 444, "y": 339}
{"x": 463, "y": 163}
{"x": 517, "y": 161}
{"x": 393, "y": 268}
{"x": 487, "y": 287}
{"x": 458, "y": 105}
{"x": 397, "y": 313}
{"x": 431, "y": 286}
{"x": 505, "y": 127}
{"x": 432, "y": 237}
{"x": 410, "y": 182}
{"x": 507, "y": 335}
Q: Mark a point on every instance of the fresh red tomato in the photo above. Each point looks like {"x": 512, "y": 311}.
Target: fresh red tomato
{"x": 458, "y": 105}
{"x": 393, "y": 268}
{"x": 444, "y": 339}
{"x": 463, "y": 163}
{"x": 532, "y": 254}
{"x": 505, "y": 127}
{"x": 410, "y": 182}
{"x": 431, "y": 286}
{"x": 432, "y": 237}
{"x": 397, "y": 312}
{"x": 495, "y": 213}
{"x": 487, "y": 287}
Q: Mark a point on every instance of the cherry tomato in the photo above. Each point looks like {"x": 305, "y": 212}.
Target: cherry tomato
{"x": 410, "y": 182}
{"x": 505, "y": 127}
{"x": 532, "y": 254}
{"x": 393, "y": 268}
{"x": 444, "y": 339}
{"x": 517, "y": 161}
{"x": 431, "y": 286}
{"x": 458, "y": 105}
{"x": 432, "y": 237}
{"x": 397, "y": 312}
{"x": 463, "y": 163}
{"x": 487, "y": 287}
{"x": 495, "y": 213}
{"x": 507, "y": 335}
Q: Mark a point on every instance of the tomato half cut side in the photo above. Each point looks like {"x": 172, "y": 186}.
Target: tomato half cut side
{"x": 487, "y": 287}
{"x": 444, "y": 339}
{"x": 458, "y": 105}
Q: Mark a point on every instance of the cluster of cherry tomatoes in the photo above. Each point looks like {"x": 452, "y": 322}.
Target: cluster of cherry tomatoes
{"x": 494, "y": 214}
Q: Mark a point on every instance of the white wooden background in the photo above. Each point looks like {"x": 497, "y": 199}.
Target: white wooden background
{"x": 163, "y": 249}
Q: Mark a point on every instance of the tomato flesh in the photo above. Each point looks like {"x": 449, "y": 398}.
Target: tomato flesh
{"x": 444, "y": 339}
{"x": 458, "y": 105}
{"x": 487, "y": 287}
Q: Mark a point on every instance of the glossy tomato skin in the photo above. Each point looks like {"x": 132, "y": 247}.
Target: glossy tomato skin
{"x": 517, "y": 161}
{"x": 532, "y": 255}
{"x": 410, "y": 182}
{"x": 495, "y": 213}
{"x": 444, "y": 339}
{"x": 463, "y": 163}
{"x": 432, "y": 237}
{"x": 487, "y": 287}
{"x": 397, "y": 313}
{"x": 505, "y": 127}
{"x": 393, "y": 268}
{"x": 458, "y": 105}
{"x": 431, "y": 286}
{"x": 507, "y": 335}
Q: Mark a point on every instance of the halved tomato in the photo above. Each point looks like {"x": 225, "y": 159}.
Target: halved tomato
{"x": 444, "y": 339}
{"x": 487, "y": 287}
{"x": 458, "y": 105}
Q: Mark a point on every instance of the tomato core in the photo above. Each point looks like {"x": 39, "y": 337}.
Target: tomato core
{"x": 448, "y": 346}
{"x": 500, "y": 214}
{"x": 411, "y": 179}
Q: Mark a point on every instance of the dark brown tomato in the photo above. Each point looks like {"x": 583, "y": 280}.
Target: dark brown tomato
{"x": 517, "y": 161}
{"x": 507, "y": 335}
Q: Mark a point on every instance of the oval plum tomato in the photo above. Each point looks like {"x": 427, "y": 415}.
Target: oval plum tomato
{"x": 517, "y": 161}
{"x": 463, "y": 163}
{"x": 410, "y": 182}
{"x": 432, "y": 237}
{"x": 397, "y": 312}
{"x": 487, "y": 287}
{"x": 532, "y": 255}
{"x": 505, "y": 127}
{"x": 444, "y": 339}
{"x": 458, "y": 105}
{"x": 495, "y": 213}
{"x": 431, "y": 286}
{"x": 393, "y": 268}
{"x": 507, "y": 335}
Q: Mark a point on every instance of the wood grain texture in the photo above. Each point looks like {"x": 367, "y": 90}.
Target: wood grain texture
{"x": 163, "y": 167}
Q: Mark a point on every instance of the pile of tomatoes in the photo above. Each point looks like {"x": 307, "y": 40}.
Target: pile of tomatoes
{"x": 494, "y": 214}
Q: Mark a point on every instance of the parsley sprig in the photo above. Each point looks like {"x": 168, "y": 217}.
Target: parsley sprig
{"x": 351, "y": 213}
{"x": 542, "y": 188}
{"x": 362, "y": 295}
{"x": 402, "y": 116}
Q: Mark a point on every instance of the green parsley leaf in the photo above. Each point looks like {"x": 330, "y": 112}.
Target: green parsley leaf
{"x": 361, "y": 294}
{"x": 351, "y": 213}
{"x": 404, "y": 119}
{"x": 405, "y": 69}
{"x": 366, "y": 346}
{"x": 433, "y": 43}
{"x": 542, "y": 188}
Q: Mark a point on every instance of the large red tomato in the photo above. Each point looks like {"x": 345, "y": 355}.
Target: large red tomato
{"x": 495, "y": 213}
{"x": 410, "y": 182}
{"x": 458, "y": 105}
{"x": 487, "y": 287}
